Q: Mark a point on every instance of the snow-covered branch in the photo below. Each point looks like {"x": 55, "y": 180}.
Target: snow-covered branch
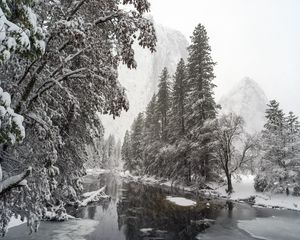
{"x": 107, "y": 18}
{"x": 13, "y": 181}
{"x": 75, "y": 10}
{"x": 49, "y": 84}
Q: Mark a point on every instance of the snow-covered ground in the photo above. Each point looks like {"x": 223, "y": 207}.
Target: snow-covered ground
{"x": 244, "y": 188}
{"x": 15, "y": 222}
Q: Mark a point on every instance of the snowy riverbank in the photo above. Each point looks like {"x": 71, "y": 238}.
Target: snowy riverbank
{"x": 243, "y": 189}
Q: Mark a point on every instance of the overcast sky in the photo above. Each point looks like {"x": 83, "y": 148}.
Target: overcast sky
{"x": 255, "y": 38}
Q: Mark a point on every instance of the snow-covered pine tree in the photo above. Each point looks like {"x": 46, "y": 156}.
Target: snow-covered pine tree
{"x": 137, "y": 133}
{"x": 152, "y": 127}
{"x": 151, "y": 140}
{"x": 126, "y": 152}
{"x": 275, "y": 118}
{"x": 163, "y": 102}
{"x": 292, "y": 161}
{"x": 118, "y": 149}
{"x": 280, "y": 166}
{"x": 111, "y": 142}
{"x": 200, "y": 105}
{"x": 178, "y": 101}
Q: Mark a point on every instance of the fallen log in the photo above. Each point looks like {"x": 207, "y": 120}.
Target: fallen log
{"x": 93, "y": 196}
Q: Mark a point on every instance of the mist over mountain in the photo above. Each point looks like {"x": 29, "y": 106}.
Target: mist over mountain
{"x": 248, "y": 100}
{"x": 141, "y": 83}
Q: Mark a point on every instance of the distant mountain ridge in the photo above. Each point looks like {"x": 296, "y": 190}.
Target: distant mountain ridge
{"x": 248, "y": 100}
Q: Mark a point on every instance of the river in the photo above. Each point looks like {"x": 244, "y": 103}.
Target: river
{"x": 137, "y": 211}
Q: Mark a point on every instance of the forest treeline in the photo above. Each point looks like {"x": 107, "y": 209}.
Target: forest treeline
{"x": 182, "y": 137}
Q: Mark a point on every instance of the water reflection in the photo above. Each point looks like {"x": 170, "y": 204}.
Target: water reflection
{"x": 138, "y": 211}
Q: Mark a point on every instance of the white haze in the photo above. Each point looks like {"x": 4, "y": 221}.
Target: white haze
{"x": 257, "y": 38}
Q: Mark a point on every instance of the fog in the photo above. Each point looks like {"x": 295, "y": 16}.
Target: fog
{"x": 258, "y": 38}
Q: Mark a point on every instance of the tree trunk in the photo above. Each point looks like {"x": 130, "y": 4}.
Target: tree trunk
{"x": 229, "y": 183}
{"x": 190, "y": 174}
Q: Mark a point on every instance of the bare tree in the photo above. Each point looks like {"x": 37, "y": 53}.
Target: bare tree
{"x": 231, "y": 145}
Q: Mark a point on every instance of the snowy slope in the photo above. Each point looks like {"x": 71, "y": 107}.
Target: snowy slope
{"x": 142, "y": 82}
{"x": 248, "y": 100}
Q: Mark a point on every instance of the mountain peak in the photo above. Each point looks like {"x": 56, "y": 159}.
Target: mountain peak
{"x": 248, "y": 100}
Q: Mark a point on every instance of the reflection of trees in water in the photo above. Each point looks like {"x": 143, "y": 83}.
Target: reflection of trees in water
{"x": 230, "y": 208}
{"x": 147, "y": 207}
{"x": 113, "y": 185}
{"x": 111, "y": 181}
{"x": 91, "y": 211}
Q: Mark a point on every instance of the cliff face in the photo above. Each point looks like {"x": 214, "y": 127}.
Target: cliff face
{"x": 248, "y": 100}
{"x": 141, "y": 83}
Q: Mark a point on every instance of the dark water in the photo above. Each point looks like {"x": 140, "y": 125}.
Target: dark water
{"x": 137, "y": 211}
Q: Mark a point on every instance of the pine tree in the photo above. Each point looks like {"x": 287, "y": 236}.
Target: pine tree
{"x": 163, "y": 102}
{"x": 178, "y": 97}
{"x": 280, "y": 166}
{"x": 151, "y": 139}
{"x": 137, "y": 130}
{"x": 273, "y": 135}
{"x": 126, "y": 152}
{"x": 118, "y": 149}
{"x": 292, "y": 132}
{"x": 111, "y": 143}
{"x": 201, "y": 104}
{"x": 293, "y": 124}
{"x": 275, "y": 117}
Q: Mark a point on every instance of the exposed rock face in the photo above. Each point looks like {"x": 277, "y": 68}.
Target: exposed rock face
{"x": 141, "y": 83}
{"x": 248, "y": 100}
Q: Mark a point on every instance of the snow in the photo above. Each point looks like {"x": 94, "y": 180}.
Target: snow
{"x": 31, "y": 17}
{"x": 15, "y": 222}
{"x": 9, "y": 117}
{"x": 146, "y": 230}
{"x": 96, "y": 171}
{"x": 245, "y": 188}
{"x": 93, "y": 196}
{"x": 180, "y": 201}
{"x": 271, "y": 228}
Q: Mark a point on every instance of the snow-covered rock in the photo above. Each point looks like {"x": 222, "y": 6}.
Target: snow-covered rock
{"x": 141, "y": 83}
{"x": 248, "y": 100}
{"x": 180, "y": 201}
